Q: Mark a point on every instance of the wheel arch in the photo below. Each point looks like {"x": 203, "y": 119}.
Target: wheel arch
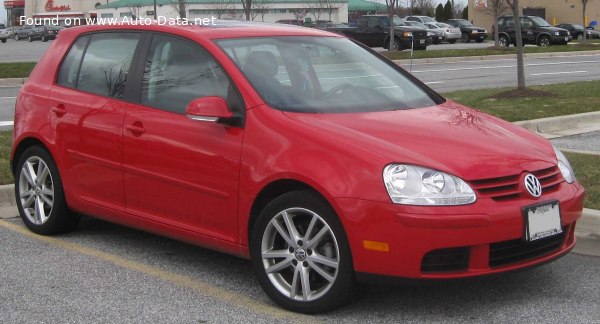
{"x": 24, "y": 144}
{"x": 273, "y": 190}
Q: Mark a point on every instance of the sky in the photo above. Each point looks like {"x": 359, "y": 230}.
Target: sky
{"x": 3, "y": 11}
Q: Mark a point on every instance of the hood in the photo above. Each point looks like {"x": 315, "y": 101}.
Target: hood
{"x": 448, "y": 137}
{"x": 554, "y": 29}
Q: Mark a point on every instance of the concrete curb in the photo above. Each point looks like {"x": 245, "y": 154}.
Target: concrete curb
{"x": 7, "y": 195}
{"x": 563, "y": 125}
{"x": 493, "y": 57}
{"x": 12, "y": 82}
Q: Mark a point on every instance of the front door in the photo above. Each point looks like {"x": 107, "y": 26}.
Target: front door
{"x": 178, "y": 171}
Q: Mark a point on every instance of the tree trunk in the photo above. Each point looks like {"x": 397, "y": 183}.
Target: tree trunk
{"x": 519, "y": 39}
{"x": 584, "y": 3}
{"x": 496, "y": 32}
{"x": 182, "y": 9}
{"x": 392, "y": 36}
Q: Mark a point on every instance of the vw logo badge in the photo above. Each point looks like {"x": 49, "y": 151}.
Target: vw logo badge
{"x": 300, "y": 254}
{"x": 533, "y": 185}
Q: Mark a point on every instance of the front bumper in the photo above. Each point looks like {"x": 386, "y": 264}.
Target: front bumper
{"x": 562, "y": 39}
{"x": 478, "y": 36}
{"x": 411, "y": 234}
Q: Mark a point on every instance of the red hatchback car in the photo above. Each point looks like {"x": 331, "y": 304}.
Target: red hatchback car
{"x": 313, "y": 156}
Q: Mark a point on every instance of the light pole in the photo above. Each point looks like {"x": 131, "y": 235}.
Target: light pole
{"x": 154, "y": 9}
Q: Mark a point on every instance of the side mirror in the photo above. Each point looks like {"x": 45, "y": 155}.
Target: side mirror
{"x": 211, "y": 109}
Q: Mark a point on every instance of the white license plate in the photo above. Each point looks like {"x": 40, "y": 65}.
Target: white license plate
{"x": 419, "y": 41}
{"x": 542, "y": 221}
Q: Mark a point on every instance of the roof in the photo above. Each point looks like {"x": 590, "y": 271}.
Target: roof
{"x": 364, "y": 5}
{"x": 143, "y": 3}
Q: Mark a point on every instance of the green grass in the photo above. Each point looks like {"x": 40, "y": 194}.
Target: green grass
{"x": 588, "y": 174}
{"x": 6, "y": 176}
{"x": 490, "y": 51}
{"x": 16, "y": 70}
{"x": 570, "y": 98}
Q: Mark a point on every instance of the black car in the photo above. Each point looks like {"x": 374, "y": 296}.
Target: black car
{"x": 44, "y": 33}
{"x": 534, "y": 30}
{"x": 577, "y": 31}
{"x": 468, "y": 30}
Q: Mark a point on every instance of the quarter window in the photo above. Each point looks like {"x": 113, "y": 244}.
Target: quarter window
{"x": 178, "y": 71}
{"x": 67, "y": 76}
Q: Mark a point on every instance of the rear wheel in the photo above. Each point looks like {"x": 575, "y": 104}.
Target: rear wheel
{"x": 452, "y": 41}
{"x": 479, "y": 40}
{"x": 4, "y": 40}
{"x": 39, "y": 192}
{"x": 544, "y": 41}
{"x": 465, "y": 38}
{"x": 580, "y": 36}
{"x": 29, "y": 38}
{"x": 300, "y": 254}
{"x": 17, "y": 37}
{"x": 44, "y": 38}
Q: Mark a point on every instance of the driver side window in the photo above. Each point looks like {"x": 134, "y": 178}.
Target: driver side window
{"x": 178, "y": 71}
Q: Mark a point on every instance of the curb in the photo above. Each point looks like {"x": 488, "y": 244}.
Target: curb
{"x": 563, "y": 125}
{"x": 493, "y": 57}
{"x": 12, "y": 82}
{"x": 7, "y": 195}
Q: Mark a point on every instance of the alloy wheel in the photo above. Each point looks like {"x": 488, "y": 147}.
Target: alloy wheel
{"x": 36, "y": 190}
{"x": 300, "y": 254}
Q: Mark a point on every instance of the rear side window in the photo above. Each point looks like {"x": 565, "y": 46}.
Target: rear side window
{"x": 105, "y": 64}
{"x": 67, "y": 76}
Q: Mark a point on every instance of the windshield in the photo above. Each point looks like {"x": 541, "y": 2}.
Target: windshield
{"x": 418, "y": 24}
{"x": 323, "y": 75}
{"x": 540, "y": 22}
{"x": 397, "y": 21}
{"x": 428, "y": 19}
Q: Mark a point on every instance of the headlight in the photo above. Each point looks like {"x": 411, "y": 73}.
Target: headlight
{"x": 407, "y": 34}
{"x": 557, "y": 33}
{"x": 413, "y": 185}
{"x": 474, "y": 32}
{"x": 564, "y": 166}
{"x": 430, "y": 34}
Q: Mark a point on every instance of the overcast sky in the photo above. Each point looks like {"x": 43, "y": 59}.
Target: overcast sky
{"x": 3, "y": 11}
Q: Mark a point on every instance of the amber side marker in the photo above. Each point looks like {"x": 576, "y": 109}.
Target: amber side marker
{"x": 376, "y": 246}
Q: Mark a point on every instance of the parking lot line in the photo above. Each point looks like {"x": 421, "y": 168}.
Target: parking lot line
{"x": 7, "y": 123}
{"x": 553, "y": 73}
{"x": 201, "y": 287}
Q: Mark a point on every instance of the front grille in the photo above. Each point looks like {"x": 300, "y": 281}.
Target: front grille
{"x": 446, "y": 260}
{"x": 509, "y": 187}
{"x": 419, "y": 33}
{"x": 508, "y": 252}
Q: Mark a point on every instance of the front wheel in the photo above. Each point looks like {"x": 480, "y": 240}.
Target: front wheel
{"x": 17, "y": 37}
{"x": 44, "y": 39}
{"x": 300, "y": 254}
{"x": 39, "y": 192}
{"x": 452, "y": 41}
{"x": 544, "y": 41}
{"x": 4, "y": 40}
{"x": 30, "y": 39}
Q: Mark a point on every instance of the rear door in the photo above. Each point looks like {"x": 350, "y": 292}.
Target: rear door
{"x": 87, "y": 111}
{"x": 178, "y": 171}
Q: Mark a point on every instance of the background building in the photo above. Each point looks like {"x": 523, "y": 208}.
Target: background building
{"x": 554, "y": 11}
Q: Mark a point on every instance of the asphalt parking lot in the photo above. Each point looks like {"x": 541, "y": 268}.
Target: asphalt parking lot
{"x": 107, "y": 273}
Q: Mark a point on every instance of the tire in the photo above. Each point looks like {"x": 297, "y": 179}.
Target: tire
{"x": 452, "y": 41}
{"x": 544, "y": 41}
{"x": 17, "y": 37}
{"x": 479, "y": 40}
{"x": 503, "y": 41}
{"x": 294, "y": 261}
{"x": 465, "y": 38}
{"x": 397, "y": 45}
{"x": 4, "y": 40}
{"x": 40, "y": 197}
{"x": 44, "y": 39}
{"x": 30, "y": 39}
{"x": 579, "y": 36}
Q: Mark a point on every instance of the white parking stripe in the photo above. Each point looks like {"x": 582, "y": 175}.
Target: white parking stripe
{"x": 504, "y": 66}
{"x": 434, "y": 82}
{"x": 8, "y": 97}
{"x": 551, "y": 73}
{"x": 7, "y": 123}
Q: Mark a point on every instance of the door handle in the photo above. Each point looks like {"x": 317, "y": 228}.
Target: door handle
{"x": 136, "y": 128}
{"x": 59, "y": 110}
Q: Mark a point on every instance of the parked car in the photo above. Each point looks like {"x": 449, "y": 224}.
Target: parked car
{"x": 373, "y": 30}
{"x": 10, "y": 32}
{"x": 577, "y": 31}
{"x": 295, "y": 22}
{"x": 44, "y": 33}
{"x": 436, "y": 35}
{"x": 534, "y": 30}
{"x": 468, "y": 30}
{"x": 3, "y": 35}
{"x": 21, "y": 32}
{"x": 318, "y": 159}
{"x": 421, "y": 19}
{"x": 450, "y": 33}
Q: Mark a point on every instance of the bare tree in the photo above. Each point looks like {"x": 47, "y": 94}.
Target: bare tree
{"x": 584, "y": 3}
{"x": 261, "y": 7}
{"x": 496, "y": 7}
{"x": 514, "y": 5}
{"x": 329, "y": 6}
{"x": 315, "y": 8}
{"x": 299, "y": 13}
{"x": 181, "y": 7}
{"x": 425, "y": 6}
{"x": 220, "y": 7}
{"x": 247, "y": 5}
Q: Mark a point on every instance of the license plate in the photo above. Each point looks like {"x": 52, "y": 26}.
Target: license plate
{"x": 419, "y": 41}
{"x": 542, "y": 221}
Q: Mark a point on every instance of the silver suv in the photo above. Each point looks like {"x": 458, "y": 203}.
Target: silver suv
{"x": 421, "y": 19}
